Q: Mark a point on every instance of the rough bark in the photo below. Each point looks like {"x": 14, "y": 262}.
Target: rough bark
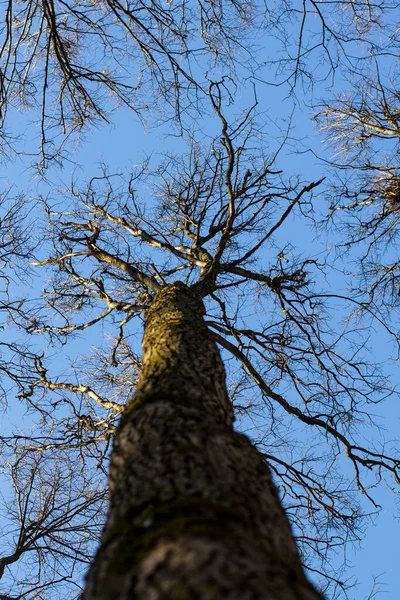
{"x": 194, "y": 513}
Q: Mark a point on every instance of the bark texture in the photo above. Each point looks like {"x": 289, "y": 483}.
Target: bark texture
{"x": 194, "y": 513}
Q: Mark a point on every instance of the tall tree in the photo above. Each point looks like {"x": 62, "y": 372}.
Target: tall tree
{"x": 194, "y": 511}
{"x": 193, "y": 246}
{"x": 212, "y": 240}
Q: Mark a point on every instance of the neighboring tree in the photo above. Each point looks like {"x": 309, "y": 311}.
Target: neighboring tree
{"x": 16, "y": 248}
{"x": 72, "y": 63}
{"x": 23, "y": 516}
{"x": 52, "y": 507}
{"x": 363, "y": 127}
{"x": 52, "y": 515}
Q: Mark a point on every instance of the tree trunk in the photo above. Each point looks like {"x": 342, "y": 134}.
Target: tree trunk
{"x": 194, "y": 513}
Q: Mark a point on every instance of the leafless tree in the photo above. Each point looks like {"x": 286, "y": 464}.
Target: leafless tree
{"x": 204, "y": 232}
{"x": 73, "y": 62}
{"x": 67, "y": 65}
{"x": 206, "y": 229}
{"x": 16, "y": 248}
{"x": 51, "y": 519}
{"x": 363, "y": 127}
{"x": 46, "y": 522}
{"x": 314, "y": 41}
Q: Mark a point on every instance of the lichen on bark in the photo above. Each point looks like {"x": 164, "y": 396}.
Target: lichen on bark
{"x": 193, "y": 509}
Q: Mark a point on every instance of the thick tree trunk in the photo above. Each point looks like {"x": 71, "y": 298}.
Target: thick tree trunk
{"x": 194, "y": 513}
